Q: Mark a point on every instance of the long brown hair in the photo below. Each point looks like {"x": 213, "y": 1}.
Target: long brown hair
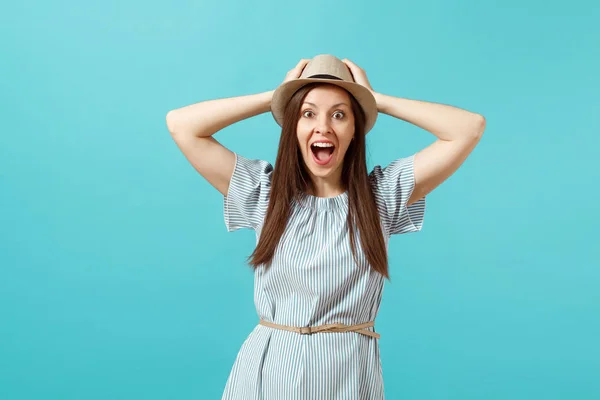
{"x": 290, "y": 178}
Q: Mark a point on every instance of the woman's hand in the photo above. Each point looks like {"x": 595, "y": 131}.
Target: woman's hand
{"x": 359, "y": 74}
{"x": 295, "y": 72}
{"x": 360, "y": 77}
{"x": 292, "y": 74}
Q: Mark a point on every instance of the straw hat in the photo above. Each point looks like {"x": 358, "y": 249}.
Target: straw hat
{"x": 325, "y": 68}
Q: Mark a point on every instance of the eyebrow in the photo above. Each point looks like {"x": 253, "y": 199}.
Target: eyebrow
{"x": 333, "y": 106}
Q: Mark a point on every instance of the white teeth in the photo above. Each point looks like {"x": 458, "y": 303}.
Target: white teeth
{"x": 322, "y": 144}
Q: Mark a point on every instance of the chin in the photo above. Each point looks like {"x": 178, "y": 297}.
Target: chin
{"x": 320, "y": 173}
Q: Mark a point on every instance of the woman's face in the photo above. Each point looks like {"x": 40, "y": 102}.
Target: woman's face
{"x": 325, "y": 129}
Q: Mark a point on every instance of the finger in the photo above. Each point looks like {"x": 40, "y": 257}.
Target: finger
{"x": 348, "y": 62}
{"x": 300, "y": 70}
{"x": 352, "y": 65}
{"x": 302, "y": 63}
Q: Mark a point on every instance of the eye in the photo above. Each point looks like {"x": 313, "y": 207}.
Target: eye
{"x": 338, "y": 113}
{"x": 304, "y": 114}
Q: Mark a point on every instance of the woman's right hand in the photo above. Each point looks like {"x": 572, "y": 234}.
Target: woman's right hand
{"x": 295, "y": 72}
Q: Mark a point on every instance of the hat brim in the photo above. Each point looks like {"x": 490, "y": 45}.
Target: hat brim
{"x": 363, "y": 96}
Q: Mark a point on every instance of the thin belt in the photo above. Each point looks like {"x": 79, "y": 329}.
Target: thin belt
{"x": 338, "y": 327}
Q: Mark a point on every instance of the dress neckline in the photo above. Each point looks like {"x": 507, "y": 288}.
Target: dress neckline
{"x": 323, "y": 203}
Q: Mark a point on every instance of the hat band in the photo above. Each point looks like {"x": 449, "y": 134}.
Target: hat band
{"x": 324, "y": 76}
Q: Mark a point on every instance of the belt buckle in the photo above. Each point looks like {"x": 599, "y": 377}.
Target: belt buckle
{"x": 305, "y": 330}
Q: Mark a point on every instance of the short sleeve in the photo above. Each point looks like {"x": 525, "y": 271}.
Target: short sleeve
{"x": 393, "y": 186}
{"x": 247, "y": 198}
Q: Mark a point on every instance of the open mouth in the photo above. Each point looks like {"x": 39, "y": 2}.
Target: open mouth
{"x": 322, "y": 153}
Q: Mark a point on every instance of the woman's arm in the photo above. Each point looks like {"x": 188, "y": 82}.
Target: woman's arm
{"x": 204, "y": 119}
{"x": 458, "y": 132}
{"x": 445, "y": 122}
{"x": 192, "y": 128}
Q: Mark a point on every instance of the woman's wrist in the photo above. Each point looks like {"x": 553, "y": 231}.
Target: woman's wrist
{"x": 267, "y": 98}
{"x": 380, "y": 99}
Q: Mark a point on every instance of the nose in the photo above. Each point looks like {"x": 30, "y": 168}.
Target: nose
{"x": 322, "y": 125}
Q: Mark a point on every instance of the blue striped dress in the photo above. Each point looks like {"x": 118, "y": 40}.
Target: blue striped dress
{"x": 313, "y": 280}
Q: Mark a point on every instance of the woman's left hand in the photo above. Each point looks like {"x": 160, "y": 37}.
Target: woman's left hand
{"x": 359, "y": 74}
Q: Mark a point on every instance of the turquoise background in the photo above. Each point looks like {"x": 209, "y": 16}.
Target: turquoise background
{"x": 118, "y": 279}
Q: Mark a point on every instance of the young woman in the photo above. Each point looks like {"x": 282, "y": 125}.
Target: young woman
{"x": 322, "y": 221}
